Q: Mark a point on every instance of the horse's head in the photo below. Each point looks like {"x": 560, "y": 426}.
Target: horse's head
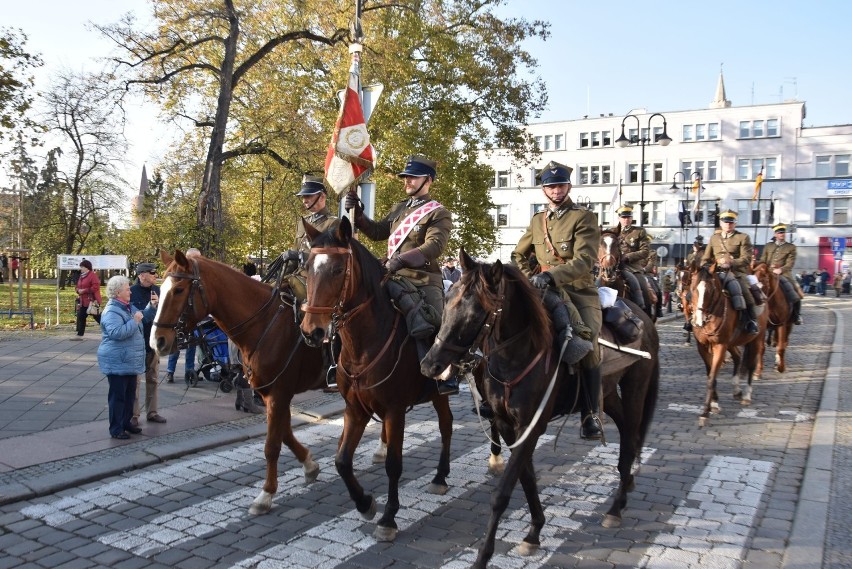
{"x": 333, "y": 280}
{"x": 609, "y": 257}
{"x": 705, "y": 290}
{"x": 182, "y": 303}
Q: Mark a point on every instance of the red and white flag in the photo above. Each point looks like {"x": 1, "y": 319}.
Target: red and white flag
{"x": 350, "y": 155}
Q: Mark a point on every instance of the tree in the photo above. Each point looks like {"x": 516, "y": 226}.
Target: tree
{"x": 259, "y": 78}
{"x": 15, "y": 82}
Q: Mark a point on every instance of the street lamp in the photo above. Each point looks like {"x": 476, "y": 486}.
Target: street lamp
{"x": 623, "y": 141}
{"x": 263, "y": 180}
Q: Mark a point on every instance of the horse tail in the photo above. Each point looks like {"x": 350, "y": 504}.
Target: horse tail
{"x": 649, "y": 405}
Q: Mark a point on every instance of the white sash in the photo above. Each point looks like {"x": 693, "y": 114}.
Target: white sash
{"x": 404, "y": 228}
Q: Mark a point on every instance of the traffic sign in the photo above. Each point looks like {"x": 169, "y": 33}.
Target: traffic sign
{"x": 838, "y": 244}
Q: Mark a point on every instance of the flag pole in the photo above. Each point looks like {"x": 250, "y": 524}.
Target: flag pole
{"x": 758, "y": 186}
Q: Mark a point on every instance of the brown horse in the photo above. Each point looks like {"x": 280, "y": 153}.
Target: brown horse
{"x": 493, "y": 310}
{"x": 780, "y": 322}
{"x": 262, "y": 324}
{"x": 716, "y": 326}
{"x": 378, "y": 371}
{"x": 610, "y": 272}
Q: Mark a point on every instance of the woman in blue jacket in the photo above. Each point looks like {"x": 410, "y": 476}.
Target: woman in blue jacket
{"x": 121, "y": 355}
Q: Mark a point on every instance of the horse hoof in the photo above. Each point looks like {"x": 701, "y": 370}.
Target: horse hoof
{"x": 525, "y": 548}
{"x": 262, "y": 504}
{"x": 701, "y": 422}
{"x": 745, "y": 402}
{"x": 312, "y": 474}
{"x": 384, "y": 534}
{"x": 437, "y": 489}
{"x": 371, "y": 511}
{"x": 496, "y": 465}
{"x": 611, "y": 521}
{"x": 714, "y": 407}
{"x": 738, "y": 395}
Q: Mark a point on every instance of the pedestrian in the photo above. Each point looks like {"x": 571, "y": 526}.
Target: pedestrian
{"x": 145, "y": 294}
{"x": 4, "y": 267}
{"x": 88, "y": 297}
{"x": 847, "y": 280}
{"x": 189, "y": 353}
{"x": 14, "y": 265}
{"x": 417, "y": 230}
{"x": 838, "y": 284}
{"x": 824, "y": 277}
{"x": 565, "y": 239}
{"x": 450, "y": 272}
{"x": 249, "y": 267}
{"x": 121, "y": 355}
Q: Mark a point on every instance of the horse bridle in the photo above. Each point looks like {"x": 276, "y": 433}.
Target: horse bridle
{"x": 180, "y": 328}
{"x": 608, "y": 274}
{"x": 338, "y": 315}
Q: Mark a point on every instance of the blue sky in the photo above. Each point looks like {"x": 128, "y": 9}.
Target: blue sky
{"x": 606, "y": 56}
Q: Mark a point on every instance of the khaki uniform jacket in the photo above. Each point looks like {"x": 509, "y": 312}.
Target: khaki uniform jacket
{"x": 735, "y": 247}
{"x": 635, "y": 247}
{"x": 430, "y": 235}
{"x": 321, "y": 220}
{"x": 695, "y": 257}
{"x": 780, "y": 256}
{"x": 575, "y": 235}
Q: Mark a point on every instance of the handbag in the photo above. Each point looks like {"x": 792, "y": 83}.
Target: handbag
{"x": 94, "y": 308}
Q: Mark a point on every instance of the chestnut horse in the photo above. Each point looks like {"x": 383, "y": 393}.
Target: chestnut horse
{"x": 262, "y": 324}
{"x": 610, "y": 271}
{"x": 716, "y": 326}
{"x": 780, "y": 321}
{"x": 378, "y": 370}
{"x": 494, "y": 310}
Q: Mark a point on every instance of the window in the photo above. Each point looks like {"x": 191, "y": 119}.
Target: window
{"x": 584, "y": 140}
{"x": 708, "y": 169}
{"x": 713, "y": 131}
{"x": 537, "y": 207}
{"x": 658, "y": 171}
{"x": 503, "y": 179}
{"x": 712, "y": 172}
{"x": 821, "y": 210}
{"x": 749, "y": 168}
{"x": 658, "y": 132}
{"x": 536, "y": 176}
{"x": 754, "y": 212}
{"x": 538, "y": 142}
{"x": 594, "y": 174}
{"x": 654, "y": 210}
{"x": 548, "y": 142}
{"x": 583, "y": 178}
{"x": 596, "y": 139}
{"x": 699, "y": 132}
{"x": 841, "y": 211}
{"x": 632, "y": 173}
{"x": 759, "y": 128}
{"x": 557, "y": 142}
{"x": 832, "y": 165}
{"x": 607, "y": 137}
{"x": 500, "y": 216}
{"x": 602, "y": 211}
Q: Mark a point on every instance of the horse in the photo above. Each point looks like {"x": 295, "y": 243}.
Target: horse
{"x": 780, "y": 319}
{"x": 378, "y": 369}
{"x": 494, "y": 309}
{"x": 717, "y": 329}
{"x": 610, "y": 272}
{"x": 262, "y": 323}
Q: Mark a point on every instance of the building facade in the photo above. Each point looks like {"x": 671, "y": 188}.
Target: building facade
{"x": 807, "y": 182}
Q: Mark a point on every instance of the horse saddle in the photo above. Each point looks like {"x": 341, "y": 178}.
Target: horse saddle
{"x": 625, "y": 326}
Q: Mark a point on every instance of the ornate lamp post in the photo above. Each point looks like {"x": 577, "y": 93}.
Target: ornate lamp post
{"x": 623, "y": 141}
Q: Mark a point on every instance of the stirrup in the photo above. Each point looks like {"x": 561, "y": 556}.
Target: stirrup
{"x": 448, "y": 387}
{"x": 590, "y": 428}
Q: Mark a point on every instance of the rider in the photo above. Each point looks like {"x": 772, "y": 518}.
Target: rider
{"x": 780, "y": 255}
{"x": 565, "y": 239}
{"x": 635, "y": 245}
{"x": 653, "y": 283}
{"x": 694, "y": 257}
{"x": 732, "y": 250}
{"x": 417, "y": 230}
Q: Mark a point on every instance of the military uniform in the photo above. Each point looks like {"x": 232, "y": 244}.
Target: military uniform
{"x": 783, "y": 256}
{"x": 734, "y": 248}
{"x": 635, "y": 245}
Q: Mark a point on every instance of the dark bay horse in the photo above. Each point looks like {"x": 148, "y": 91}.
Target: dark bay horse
{"x": 716, "y": 326}
{"x": 780, "y": 320}
{"x": 378, "y": 370}
{"x": 610, "y": 272}
{"x": 262, "y": 324}
{"x": 493, "y": 308}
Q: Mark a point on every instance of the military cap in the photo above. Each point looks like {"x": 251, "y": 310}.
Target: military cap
{"x": 311, "y": 185}
{"x": 779, "y": 228}
{"x": 555, "y": 174}
{"x": 145, "y": 268}
{"x": 625, "y": 211}
{"x": 419, "y": 166}
{"x": 728, "y": 215}
{"x": 699, "y": 240}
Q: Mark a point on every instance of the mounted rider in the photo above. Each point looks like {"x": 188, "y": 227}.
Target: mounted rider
{"x": 417, "y": 230}
{"x": 694, "y": 257}
{"x": 731, "y": 250}
{"x": 635, "y": 245}
{"x": 565, "y": 239}
{"x": 780, "y": 255}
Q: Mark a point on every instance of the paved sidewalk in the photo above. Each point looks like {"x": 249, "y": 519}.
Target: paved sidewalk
{"x": 53, "y": 430}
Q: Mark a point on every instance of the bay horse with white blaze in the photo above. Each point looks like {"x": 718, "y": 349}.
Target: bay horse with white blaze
{"x": 780, "y": 316}
{"x": 378, "y": 370}
{"x": 277, "y": 362}
{"x": 716, "y": 327}
{"x": 494, "y": 309}
{"x": 610, "y": 272}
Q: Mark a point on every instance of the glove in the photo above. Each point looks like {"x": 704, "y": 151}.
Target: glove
{"x": 542, "y": 280}
{"x": 292, "y": 255}
{"x": 352, "y": 202}
{"x": 412, "y": 258}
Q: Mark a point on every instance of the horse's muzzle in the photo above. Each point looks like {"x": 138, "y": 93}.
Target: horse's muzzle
{"x": 315, "y": 338}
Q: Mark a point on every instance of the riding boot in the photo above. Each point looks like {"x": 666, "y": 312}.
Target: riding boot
{"x": 796, "y": 316}
{"x": 590, "y": 403}
{"x": 635, "y": 288}
{"x": 248, "y": 404}
{"x": 751, "y": 325}
{"x": 449, "y": 386}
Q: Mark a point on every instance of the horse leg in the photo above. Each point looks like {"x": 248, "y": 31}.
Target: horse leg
{"x": 278, "y": 419}
{"x": 354, "y": 423}
{"x": 531, "y": 542}
{"x": 711, "y": 399}
{"x": 381, "y": 453}
{"x": 496, "y": 464}
{"x": 394, "y": 422}
{"x": 445, "y": 426}
{"x": 503, "y": 491}
{"x": 781, "y": 348}
{"x": 752, "y": 355}
{"x": 627, "y": 421}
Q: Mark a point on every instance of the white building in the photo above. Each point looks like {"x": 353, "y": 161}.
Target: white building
{"x": 807, "y": 180}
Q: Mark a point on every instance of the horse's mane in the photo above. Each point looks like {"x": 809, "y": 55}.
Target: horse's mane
{"x": 219, "y": 270}
{"x": 371, "y": 269}
{"x": 526, "y": 299}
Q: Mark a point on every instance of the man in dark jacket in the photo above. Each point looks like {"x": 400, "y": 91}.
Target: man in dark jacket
{"x": 143, "y": 293}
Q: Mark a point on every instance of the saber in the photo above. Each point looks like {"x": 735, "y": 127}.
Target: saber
{"x": 624, "y": 349}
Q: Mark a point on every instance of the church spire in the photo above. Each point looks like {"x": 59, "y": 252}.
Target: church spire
{"x": 138, "y": 203}
{"x": 721, "y": 101}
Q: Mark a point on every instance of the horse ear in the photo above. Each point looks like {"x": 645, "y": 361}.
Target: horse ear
{"x": 180, "y": 258}
{"x": 165, "y": 258}
{"x": 496, "y": 273}
{"x": 344, "y": 230}
{"x": 466, "y": 261}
